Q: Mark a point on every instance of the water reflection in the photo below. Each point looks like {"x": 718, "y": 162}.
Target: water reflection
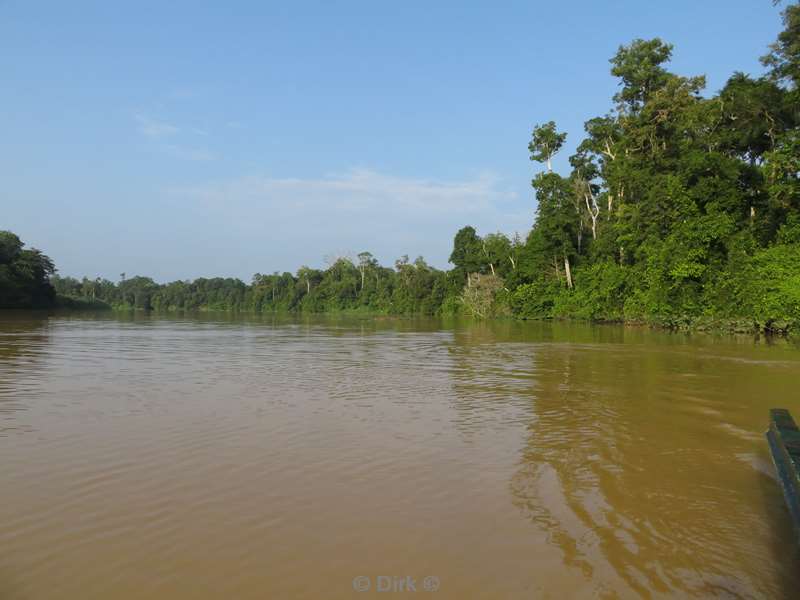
{"x": 631, "y": 468}
{"x": 24, "y": 340}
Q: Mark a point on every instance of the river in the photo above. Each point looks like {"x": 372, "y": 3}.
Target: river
{"x": 224, "y": 457}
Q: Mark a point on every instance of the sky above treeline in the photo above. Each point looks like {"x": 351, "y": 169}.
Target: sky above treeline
{"x": 189, "y": 139}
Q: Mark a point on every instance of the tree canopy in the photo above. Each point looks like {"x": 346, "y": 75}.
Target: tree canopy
{"x": 24, "y": 275}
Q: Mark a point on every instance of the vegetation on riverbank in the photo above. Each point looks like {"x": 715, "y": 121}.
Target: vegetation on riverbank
{"x": 680, "y": 209}
{"x": 24, "y": 275}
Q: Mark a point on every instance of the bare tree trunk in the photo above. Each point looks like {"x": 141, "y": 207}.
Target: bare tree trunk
{"x": 608, "y": 151}
{"x": 491, "y": 266}
{"x": 594, "y": 212}
{"x": 513, "y": 263}
{"x": 568, "y": 272}
{"x": 362, "y": 280}
{"x": 558, "y": 270}
{"x": 549, "y": 165}
{"x": 308, "y": 286}
{"x": 469, "y": 281}
{"x": 610, "y": 204}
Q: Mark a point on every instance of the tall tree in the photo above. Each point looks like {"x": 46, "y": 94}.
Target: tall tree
{"x": 497, "y": 250}
{"x": 638, "y": 65}
{"x": 467, "y": 254}
{"x": 545, "y": 143}
{"x": 557, "y": 223}
{"x": 366, "y": 262}
{"x": 783, "y": 58}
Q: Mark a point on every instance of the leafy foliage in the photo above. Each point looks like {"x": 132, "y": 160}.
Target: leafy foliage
{"x": 684, "y": 207}
{"x": 24, "y": 275}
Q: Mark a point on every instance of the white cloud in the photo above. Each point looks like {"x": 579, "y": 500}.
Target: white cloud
{"x": 154, "y": 128}
{"x": 305, "y": 219}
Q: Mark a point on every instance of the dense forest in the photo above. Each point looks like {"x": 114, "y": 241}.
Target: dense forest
{"x": 679, "y": 209}
{"x": 24, "y": 275}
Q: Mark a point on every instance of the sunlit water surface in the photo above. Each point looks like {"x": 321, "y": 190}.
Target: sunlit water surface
{"x": 215, "y": 457}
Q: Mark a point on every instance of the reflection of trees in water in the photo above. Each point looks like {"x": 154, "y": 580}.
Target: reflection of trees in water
{"x": 490, "y": 378}
{"x": 574, "y": 445}
{"x": 494, "y": 369}
{"x": 617, "y": 475}
{"x": 23, "y": 339}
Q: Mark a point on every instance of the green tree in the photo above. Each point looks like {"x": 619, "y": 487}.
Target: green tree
{"x": 783, "y": 58}
{"x": 24, "y": 275}
{"x": 497, "y": 253}
{"x": 556, "y": 230}
{"x": 545, "y": 143}
{"x": 467, "y": 255}
{"x": 638, "y": 66}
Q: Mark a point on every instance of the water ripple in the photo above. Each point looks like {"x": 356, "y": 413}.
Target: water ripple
{"x": 172, "y": 458}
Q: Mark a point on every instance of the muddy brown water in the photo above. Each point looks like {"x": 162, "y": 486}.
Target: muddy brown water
{"x": 222, "y": 457}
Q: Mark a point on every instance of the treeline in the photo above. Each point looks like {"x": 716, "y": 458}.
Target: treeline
{"x": 24, "y": 275}
{"x": 677, "y": 209}
{"x": 411, "y": 287}
{"x": 474, "y": 286}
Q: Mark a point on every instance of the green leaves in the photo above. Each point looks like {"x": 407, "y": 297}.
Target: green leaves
{"x": 545, "y": 143}
{"x": 674, "y": 186}
{"x": 467, "y": 254}
{"x": 24, "y": 275}
{"x": 638, "y": 65}
{"x": 783, "y": 171}
{"x": 784, "y": 55}
{"x": 10, "y": 247}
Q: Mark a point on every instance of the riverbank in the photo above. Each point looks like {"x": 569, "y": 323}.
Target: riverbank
{"x": 716, "y": 325}
{"x": 73, "y": 303}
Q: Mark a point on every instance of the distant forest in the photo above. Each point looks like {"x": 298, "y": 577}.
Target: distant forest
{"x": 679, "y": 209}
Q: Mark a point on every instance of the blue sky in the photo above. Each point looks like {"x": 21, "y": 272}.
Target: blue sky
{"x": 187, "y": 139}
